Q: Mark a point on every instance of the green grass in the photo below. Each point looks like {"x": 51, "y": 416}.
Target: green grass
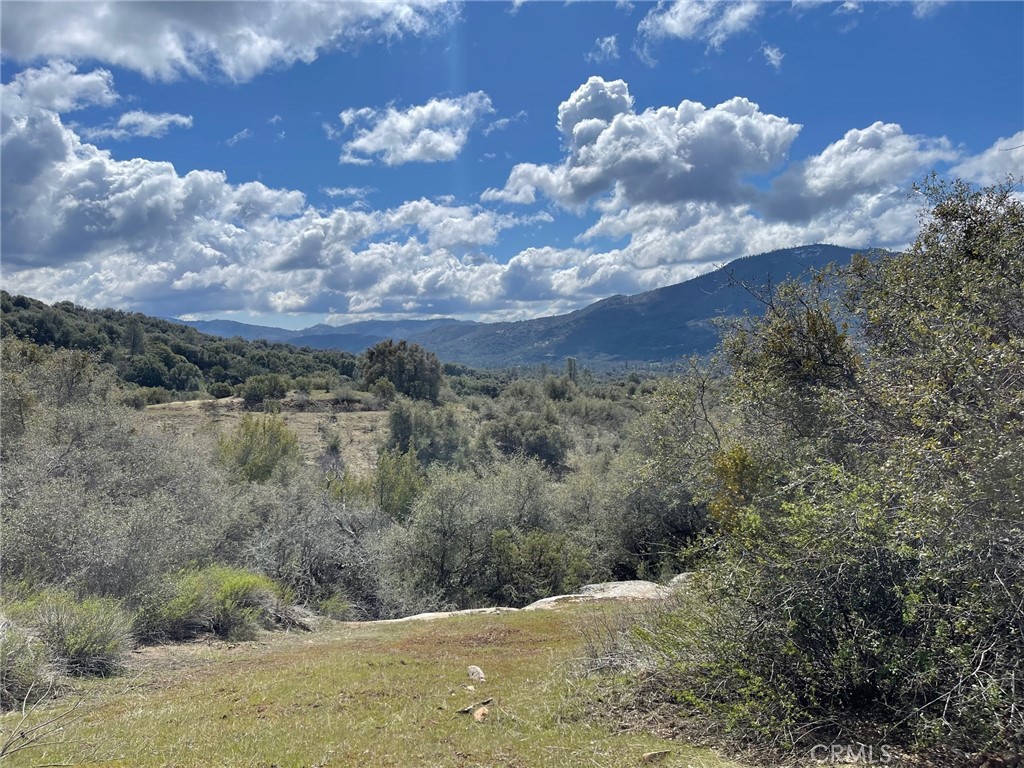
{"x": 381, "y": 694}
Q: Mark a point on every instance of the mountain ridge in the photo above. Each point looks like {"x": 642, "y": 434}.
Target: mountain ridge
{"x": 653, "y": 326}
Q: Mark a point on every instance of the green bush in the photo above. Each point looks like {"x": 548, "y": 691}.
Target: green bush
{"x": 220, "y": 389}
{"x": 230, "y": 602}
{"x": 26, "y": 674}
{"x": 258, "y": 446}
{"x": 269, "y": 386}
{"x": 84, "y": 637}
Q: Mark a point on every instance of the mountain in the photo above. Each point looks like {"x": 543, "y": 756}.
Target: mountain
{"x": 659, "y": 325}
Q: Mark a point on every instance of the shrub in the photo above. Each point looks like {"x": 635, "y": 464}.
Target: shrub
{"x": 230, "y": 602}
{"x": 26, "y": 675}
{"x": 269, "y": 386}
{"x": 258, "y": 446}
{"x": 220, "y": 389}
{"x": 87, "y": 637}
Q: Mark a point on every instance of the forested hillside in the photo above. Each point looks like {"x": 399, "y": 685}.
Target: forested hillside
{"x": 160, "y": 355}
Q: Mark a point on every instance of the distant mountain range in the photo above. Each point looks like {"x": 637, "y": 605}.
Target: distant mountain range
{"x": 660, "y": 325}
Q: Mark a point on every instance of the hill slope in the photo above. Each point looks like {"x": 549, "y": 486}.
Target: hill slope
{"x": 659, "y": 325}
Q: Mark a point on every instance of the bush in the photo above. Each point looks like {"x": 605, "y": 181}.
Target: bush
{"x": 258, "y": 446}
{"x": 258, "y": 389}
{"x": 220, "y": 389}
{"x": 87, "y": 637}
{"x": 532, "y": 436}
{"x": 229, "y": 602}
{"x": 26, "y": 675}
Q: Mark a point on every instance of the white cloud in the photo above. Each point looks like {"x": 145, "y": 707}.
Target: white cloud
{"x": 79, "y": 224}
{"x": 773, "y": 56}
{"x": 274, "y": 120}
{"x": 59, "y": 86}
{"x": 504, "y": 122}
{"x": 925, "y": 8}
{"x": 242, "y": 135}
{"x": 138, "y": 123}
{"x": 605, "y": 49}
{"x": 428, "y": 133}
{"x": 708, "y": 21}
{"x": 353, "y": 192}
{"x": 877, "y": 159}
{"x": 661, "y": 155}
{"x": 233, "y": 39}
{"x": 1004, "y": 158}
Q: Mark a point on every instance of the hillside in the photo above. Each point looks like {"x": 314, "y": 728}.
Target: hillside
{"x": 659, "y": 325}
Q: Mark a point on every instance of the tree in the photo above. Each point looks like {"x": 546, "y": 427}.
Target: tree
{"x": 414, "y": 371}
{"x": 259, "y": 389}
{"x": 866, "y": 492}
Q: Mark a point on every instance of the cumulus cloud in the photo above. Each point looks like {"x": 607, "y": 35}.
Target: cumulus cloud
{"x": 605, "y": 49}
{"x": 237, "y": 40}
{"x": 138, "y": 123}
{"x": 879, "y": 158}
{"x": 427, "y": 133}
{"x": 59, "y": 87}
{"x": 1004, "y": 158}
{"x": 662, "y": 155}
{"x": 708, "y": 21}
{"x": 79, "y": 224}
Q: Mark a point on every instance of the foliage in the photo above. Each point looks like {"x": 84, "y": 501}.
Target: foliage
{"x": 412, "y": 370}
{"x": 229, "y": 602}
{"x": 259, "y": 389}
{"x": 864, "y": 575}
{"x": 533, "y": 436}
{"x": 259, "y": 446}
{"x": 484, "y": 540}
{"x": 159, "y": 353}
{"x": 94, "y": 497}
{"x": 433, "y": 435}
{"x": 84, "y": 637}
{"x": 26, "y": 674}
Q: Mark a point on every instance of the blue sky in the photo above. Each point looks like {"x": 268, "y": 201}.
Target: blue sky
{"x": 293, "y": 163}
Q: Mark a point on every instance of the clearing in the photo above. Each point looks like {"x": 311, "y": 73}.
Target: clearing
{"x": 370, "y": 694}
{"x": 362, "y": 432}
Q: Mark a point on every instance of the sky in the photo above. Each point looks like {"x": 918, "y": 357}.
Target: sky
{"x": 294, "y": 163}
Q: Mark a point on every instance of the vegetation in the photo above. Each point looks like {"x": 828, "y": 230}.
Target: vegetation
{"x": 372, "y": 695}
{"x": 160, "y": 357}
{"x": 843, "y": 478}
{"x": 864, "y": 482}
{"x": 409, "y": 368}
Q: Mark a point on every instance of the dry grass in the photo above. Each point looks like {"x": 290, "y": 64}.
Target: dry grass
{"x": 357, "y": 695}
{"x": 361, "y": 431}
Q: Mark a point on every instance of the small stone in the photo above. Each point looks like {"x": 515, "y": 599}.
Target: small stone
{"x": 476, "y": 674}
{"x": 481, "y": 714}
{"x": 653, "y": 757}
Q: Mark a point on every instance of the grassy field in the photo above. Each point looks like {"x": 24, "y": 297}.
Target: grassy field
{"x": 376, "y": 694}
{"x": 362, "y": 432}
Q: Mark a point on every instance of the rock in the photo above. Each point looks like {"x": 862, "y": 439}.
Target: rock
{"x": 653, "y": 757}
{"x": 609, "y": 590}
{"x": 680, "y": 581}
{"x": 635, "y": 590}
{"x": 481, "y": 714}
{"x": 476, "y": 674}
